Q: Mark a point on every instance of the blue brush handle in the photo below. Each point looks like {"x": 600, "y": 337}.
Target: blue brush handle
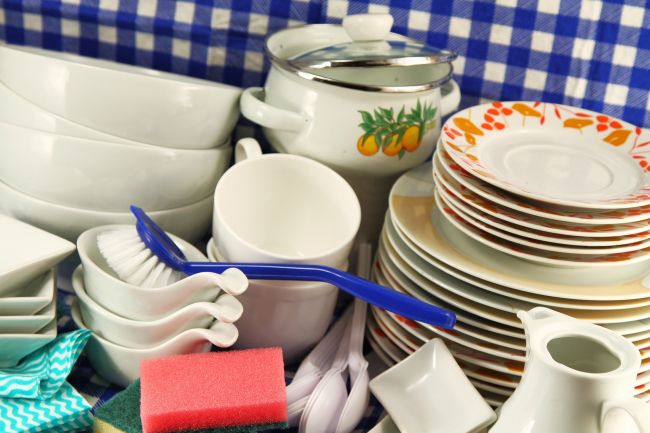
{"x": 363, "y": 289}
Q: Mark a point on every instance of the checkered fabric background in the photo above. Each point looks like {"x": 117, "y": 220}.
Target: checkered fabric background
{"x": 586, "y": 53}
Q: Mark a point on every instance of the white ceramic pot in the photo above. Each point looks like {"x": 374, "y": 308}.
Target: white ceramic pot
{"x": 139, "y": 303}
{"x": 107, "y": 176}
{"x": 376, "y": 121}
{"x": 127, "y": 101}
{"x": 293, "y": 315}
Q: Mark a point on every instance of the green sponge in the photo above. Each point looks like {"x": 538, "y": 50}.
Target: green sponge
{"x": 121, "y": 414}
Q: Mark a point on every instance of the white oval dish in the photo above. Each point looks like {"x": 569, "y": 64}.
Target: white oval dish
{"x": 104, "y": 176}
{"x": 137, "y": 303}
{"x": 121, "y": 365}
{"x": 189, "y": 222}
{"x": 542, "y": 151}
{"x": 33, "y": 296}
{"x": 139, "y": 334}
{"x": 135, "y": 103}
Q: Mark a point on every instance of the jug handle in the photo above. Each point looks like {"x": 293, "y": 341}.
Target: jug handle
{"x": 638, "y": 410}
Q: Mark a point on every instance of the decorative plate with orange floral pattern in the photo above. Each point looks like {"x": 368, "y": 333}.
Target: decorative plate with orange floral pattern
{"x": 553, "y": 153}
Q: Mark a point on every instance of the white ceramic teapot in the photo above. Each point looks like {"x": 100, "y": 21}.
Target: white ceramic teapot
{"x": 578, "y": 378}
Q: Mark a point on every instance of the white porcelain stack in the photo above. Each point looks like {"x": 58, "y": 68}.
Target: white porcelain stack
{"x": 83, "y": 139}
{"x": 28, "y": 259}
{"x": 132, "y": 323}
{"x": 529, "y": 204}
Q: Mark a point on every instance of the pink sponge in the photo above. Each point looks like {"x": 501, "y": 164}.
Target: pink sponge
{"x": 212, "y": 390}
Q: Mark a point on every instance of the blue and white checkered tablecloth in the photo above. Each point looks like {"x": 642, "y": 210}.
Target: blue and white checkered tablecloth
{"x": 589, "y": 53}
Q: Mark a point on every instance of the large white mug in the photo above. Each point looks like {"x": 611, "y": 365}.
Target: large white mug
{"x": 281, "y": 208}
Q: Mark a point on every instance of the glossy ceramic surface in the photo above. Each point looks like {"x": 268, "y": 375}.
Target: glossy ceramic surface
{"x": 32, "y": 297}
{"x": 27, "y": 252}
{"x": 313, "y": 212}
{"x": 121, "y": 365}
{"x": 142, "y": 334}
{"x": 103, "y": 286}
{"x": 104, "y": 176}
{"x": 188, "y": 222}
{"x": 428, "y": 391}
{"x": 16, "y": 346}
{"x": 411, "y": 203}
{"x": 541, "y": 151}
{"x": 134, "y": 103}
{"x": 28, "y": 324}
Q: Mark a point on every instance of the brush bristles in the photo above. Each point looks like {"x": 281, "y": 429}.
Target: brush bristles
{"x": 133, "y": 261}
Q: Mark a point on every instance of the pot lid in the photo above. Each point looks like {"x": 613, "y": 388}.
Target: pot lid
{"x": 361, "y": 54}
{"x": 370, "y": 47}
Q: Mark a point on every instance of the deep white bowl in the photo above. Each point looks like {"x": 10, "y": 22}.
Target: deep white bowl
{"x": 127, "y": 300}
{"x": 127, "y": 101}
{"x": 106, "y": 176}
{"x": 190, "y": 222}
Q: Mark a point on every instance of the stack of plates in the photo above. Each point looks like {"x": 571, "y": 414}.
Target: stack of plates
{"x": 27, "y": 288}
{"x": 486, "y": 236}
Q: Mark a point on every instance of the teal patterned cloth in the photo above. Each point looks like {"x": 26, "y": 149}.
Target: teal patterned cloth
{"x": 34, "y": 395}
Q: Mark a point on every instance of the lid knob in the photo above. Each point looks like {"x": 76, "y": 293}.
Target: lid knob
{"x": 368, "y": 27}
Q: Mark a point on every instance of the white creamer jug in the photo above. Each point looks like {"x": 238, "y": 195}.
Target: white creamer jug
{"x": 578, "y": 378}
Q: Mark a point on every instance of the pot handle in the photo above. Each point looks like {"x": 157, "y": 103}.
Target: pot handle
{"x": 254, "y": 108}
{"x": 449, "y": 98}
{"x": 637, "y": 410}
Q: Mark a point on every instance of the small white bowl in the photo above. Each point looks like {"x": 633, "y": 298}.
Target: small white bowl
{"x": 134, "y": 302}
{"x": 121, "y": 365}
{"x": 127, "y": 101}
{"x": 190, "y": 222}
{"x": 142, "y": 334}
{"x": 104, "y": 176}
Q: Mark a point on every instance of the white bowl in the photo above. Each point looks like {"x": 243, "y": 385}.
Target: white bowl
{"x": 127, "y": 101}
{"x": 190, "y": 222}
{"x": 19, "y": 111}
{"x": 127, "y": 300}
{"x": 121, "y": 365}
{"x": 106, "y": 176}
{"x": 26, "y": 253}
{"x": 142, "y": 334}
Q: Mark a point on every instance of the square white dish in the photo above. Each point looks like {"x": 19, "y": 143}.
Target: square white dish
{"x": 35, "y": 296}
{"x": 428, "y": 393}
{"x": 25, "y": 253}
{"x": 29, "y": 324}
{"x": 16, "y": 346}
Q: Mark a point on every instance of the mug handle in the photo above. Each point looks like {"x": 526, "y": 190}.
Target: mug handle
{"x": 449, "y": 98}
{"x": 247, "y": 148}
{"x": 638, "y": 410}
{"x": 255, "y": 109}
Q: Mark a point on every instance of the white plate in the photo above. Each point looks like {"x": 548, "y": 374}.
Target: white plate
{"x": 35, "y": 296}
{"x": 529, "y": 237}
{"x": 16, "y": 346}
{"x": 415, "y": 265}
{"x": 537, "y": 255}
{"x": 401, "y": 283}
{"x": 543, "y": 151}
{"x": 428, "y": 391}
{"x": 26, "y": 253}
{"x": 500, "y": 197}
{"x": 29, "y": 324}
{"x": 411, "y": 202}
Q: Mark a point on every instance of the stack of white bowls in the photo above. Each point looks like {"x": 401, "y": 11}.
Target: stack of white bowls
{"x": 524, "y": 204}
{"x": 27, "y": 288}
{"x": 132, "y": 323}
{"x": 82, "y": 139}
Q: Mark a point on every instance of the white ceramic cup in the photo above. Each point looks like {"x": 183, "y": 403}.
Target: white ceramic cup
{"x": 283, "y": 208}
{"x": 293, "y": 315}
